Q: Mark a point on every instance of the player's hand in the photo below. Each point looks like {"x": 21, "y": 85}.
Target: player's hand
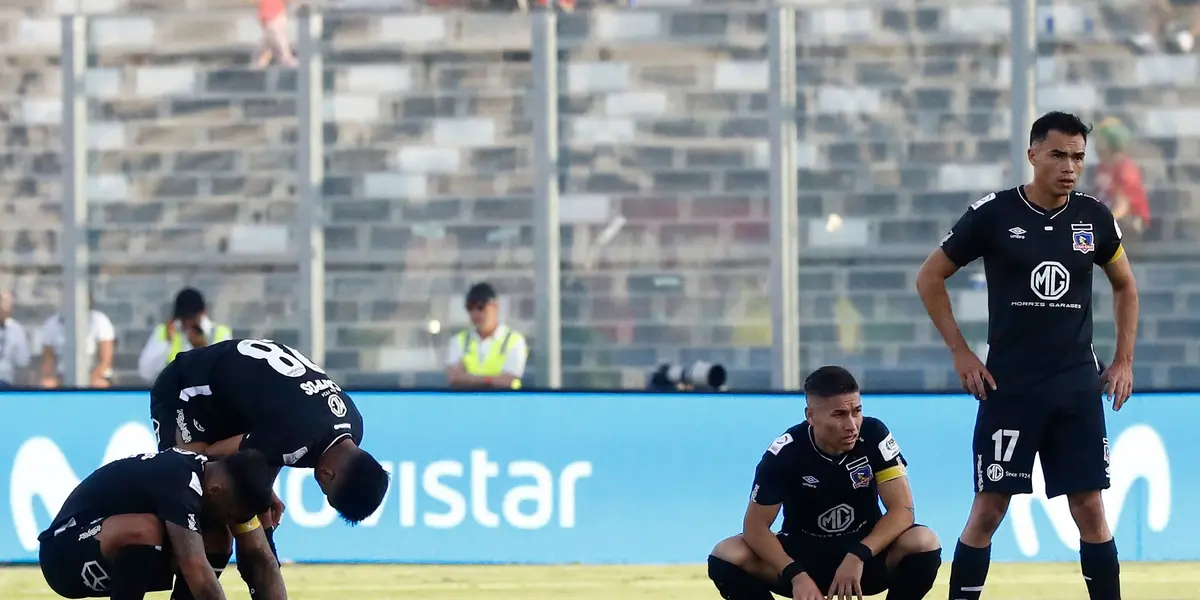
{"x": 847, "y": 581}
{"x": 274, "y": 515}
{"x": 804, "y": 588}
{"x": 1118, "y": 382}
{"x": 170, "y": 329}
{"x": 975, "y": 378}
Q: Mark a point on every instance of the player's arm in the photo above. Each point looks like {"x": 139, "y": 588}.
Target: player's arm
{"x": 252, "y": 547}
{"x": 756, "y": 530}
{"x": 224, "y": 447}
{"x": 188, "y": 548}
{"x": 1125, "y": 305}
{"x": 891, "y": 480}
{"x": 1116, "y": 267}
{"x": 931, "y": 287}
{"x": 765, "y": 501}
{"x": 959, "y": 248}
{"x": 899, "y": 514}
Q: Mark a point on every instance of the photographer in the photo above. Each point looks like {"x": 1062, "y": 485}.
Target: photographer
{"x": 189, "y": 327}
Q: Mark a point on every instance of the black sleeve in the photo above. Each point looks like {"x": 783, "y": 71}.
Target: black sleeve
{"x": 887, "y": 462}
{"x": 1108, "y": 237}
{"x": 264, "y": 441}
{"x": 967, "y": 240}
{"x": 179, "y": 488}
{"x": 770, "y": 477}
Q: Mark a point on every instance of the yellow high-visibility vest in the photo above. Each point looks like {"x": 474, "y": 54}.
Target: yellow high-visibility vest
{"x": 220, "y": 334}
{"x": 492, "y": 364}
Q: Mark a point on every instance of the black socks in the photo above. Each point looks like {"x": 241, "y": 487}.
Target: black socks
{"x": 1101, "y": 570}
{"x": 969, "y": 571}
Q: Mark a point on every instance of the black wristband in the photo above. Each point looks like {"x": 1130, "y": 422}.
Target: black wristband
{"x": 862, "y": 551}
{"x": 791, "y": 571}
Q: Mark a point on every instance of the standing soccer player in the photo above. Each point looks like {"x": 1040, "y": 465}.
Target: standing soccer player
{"x": 1041, "y": 390}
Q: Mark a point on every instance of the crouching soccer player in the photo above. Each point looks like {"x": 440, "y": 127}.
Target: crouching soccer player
{"x": 132, "y": 524}
{"x": 829, "y": 474}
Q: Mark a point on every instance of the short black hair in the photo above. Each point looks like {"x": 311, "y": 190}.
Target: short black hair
{"x": 830, "y": 381}
{"x": 1062, "y": 122}
{"x": 481, "y": 293}
{"x": 189, "y": 303}
{"x": 362, "y": 490}
{"x": 252, "y": 478}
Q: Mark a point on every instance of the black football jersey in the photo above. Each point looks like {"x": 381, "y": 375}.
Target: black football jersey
{"x": 169, "y": 484}
{"x": 1039, "y": 267}
{"x": 824, "y": 496}
{"x": 286, "y": 406}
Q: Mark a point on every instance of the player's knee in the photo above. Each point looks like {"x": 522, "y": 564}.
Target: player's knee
{"x": 732, "y": 581}
{"x": 917, "y": 540}
{"x": 119, "y": 531}
{"x": 733, "y": 550}
{"x": 987, "y": 512}
{"x": 1087, "y": 508}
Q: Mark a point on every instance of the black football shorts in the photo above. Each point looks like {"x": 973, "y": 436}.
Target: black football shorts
{"x": 71, "y": 561}
{"x": 74, "y": 567}
{"x": 1066, "y": 430}
{"x": 821, "y": 559}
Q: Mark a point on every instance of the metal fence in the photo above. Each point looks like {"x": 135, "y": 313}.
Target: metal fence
{"x": 742, "y": 184}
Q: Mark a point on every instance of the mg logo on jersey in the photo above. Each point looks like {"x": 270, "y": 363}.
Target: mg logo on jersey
{"x": 1050, "y": 280}
{"x": 836, "y": 519}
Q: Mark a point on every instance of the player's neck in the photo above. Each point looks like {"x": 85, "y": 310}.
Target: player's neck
{"x": 486, "y": 332}
{"x": 1043, "y": 199}
{"x": 826, "y": 449}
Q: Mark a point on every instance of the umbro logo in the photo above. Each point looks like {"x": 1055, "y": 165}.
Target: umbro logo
{"x": 810, "y": 481}
{"x": 1017, "y": 233}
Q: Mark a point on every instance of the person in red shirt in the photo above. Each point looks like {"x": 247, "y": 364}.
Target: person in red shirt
{"x": 1119, "y": 179}
{"x": 272, "y": 15}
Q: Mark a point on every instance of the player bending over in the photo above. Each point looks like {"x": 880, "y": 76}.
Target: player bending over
{"x": 127, "y": 527}
{"x": 1040, "y": 393}
{"x": 262, "y": 395}
{"x": 829, "y": 474}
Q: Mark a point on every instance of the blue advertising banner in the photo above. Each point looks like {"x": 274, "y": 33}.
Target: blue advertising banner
{"x": 601, "y": 478}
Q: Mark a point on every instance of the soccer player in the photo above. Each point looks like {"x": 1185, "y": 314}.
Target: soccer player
{"x": 118, "y": 531}
{"x": 263, "y": 395}
{"x": 1041, "y": 391}
{"x": 829, "y": 474}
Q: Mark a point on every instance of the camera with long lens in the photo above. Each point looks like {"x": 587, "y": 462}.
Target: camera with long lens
{"x": 698, "y": 376}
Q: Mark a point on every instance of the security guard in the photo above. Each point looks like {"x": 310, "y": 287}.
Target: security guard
{"x": 489, "y": 356}
{"x": 188, "y": 328}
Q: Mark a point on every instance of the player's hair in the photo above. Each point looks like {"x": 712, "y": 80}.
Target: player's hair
{"x": 830, "y": 381}
{"x": 1062, "y": 122}
{"x": 252, "y": 478}
{"x": 364, "y": 484}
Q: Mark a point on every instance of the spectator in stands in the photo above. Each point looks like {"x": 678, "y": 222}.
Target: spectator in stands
{"x": 1119, "y": 180}
{"x": 99, "y": 347}
{"x": 1176, "y": 22}
{"x": 14, "y": 346}
{"x": 189, "y": 327}
{"x": 272, "y": 16}
{"x": 490, "y": 355}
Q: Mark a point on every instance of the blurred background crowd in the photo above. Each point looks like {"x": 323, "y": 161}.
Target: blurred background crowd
{"x": 902, "y": 120}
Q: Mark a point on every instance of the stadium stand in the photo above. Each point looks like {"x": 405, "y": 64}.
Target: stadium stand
{"x": 903, "y": 121}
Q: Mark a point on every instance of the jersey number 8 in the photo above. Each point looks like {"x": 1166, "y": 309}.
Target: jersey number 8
{"x": 284, "y": 359}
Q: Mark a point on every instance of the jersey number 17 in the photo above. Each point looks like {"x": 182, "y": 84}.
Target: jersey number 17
{"x": 286, "y": 360}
